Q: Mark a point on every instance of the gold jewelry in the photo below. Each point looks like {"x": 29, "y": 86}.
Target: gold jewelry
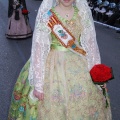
{"x": 71, "y": 22}
{"x": 67, "y": 14}
{"x": 57, "y": 2}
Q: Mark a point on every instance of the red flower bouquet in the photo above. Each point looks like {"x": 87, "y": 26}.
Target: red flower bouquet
{"x": 25, "y": 12}
{"x": 101, "y": 74}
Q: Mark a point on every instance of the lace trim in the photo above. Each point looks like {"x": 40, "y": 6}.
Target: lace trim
{"x": 41, "y": 41}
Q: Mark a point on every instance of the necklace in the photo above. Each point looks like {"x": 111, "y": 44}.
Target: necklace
{"x": 67, "y": 15}
{"x": 66, "y": 12}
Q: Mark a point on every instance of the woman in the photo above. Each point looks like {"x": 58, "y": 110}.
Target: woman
{"x": 55, "y": 83}
{"x": 18, "y": 23}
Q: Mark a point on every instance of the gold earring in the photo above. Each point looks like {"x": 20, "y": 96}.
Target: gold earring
{"x": 74, "y": 3}
{"x": 57, "y": 2}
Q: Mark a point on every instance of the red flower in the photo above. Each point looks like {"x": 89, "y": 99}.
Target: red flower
{"x": 25, "y": 11}
{"x": 101, "y": 73}
{"x": 17, "y": 96}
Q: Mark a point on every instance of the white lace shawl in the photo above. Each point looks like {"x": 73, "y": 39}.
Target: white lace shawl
{"x": 41, "y": 41}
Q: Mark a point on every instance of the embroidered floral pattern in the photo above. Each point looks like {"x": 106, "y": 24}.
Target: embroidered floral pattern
{"x": 21, "y": 105}
{"x": 62, "y": 34}
{"x": 69, "y": 93}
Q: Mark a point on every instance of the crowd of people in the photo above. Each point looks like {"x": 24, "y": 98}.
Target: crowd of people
{"x": 106, "y": 11}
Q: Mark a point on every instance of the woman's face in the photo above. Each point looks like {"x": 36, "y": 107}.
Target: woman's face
{"x": 66, "y": 3}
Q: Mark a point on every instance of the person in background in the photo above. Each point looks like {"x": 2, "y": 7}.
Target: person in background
{"x": 18, "y": 20}
{"x": 116, "y": 15}
{"x": 55, "y": 84}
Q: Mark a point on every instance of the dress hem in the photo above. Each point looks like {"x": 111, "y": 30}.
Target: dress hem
{"x": 19, "y": 36}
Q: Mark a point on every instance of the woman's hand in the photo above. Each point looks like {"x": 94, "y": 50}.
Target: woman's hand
{"x": 38, "y": 95}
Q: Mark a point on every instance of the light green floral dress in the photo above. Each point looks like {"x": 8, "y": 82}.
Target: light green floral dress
{"x": 69, "y": 93}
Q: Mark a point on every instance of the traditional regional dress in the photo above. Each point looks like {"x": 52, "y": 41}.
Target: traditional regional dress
{"x": 69, "y": 93}
{"x": 18, "y": 22}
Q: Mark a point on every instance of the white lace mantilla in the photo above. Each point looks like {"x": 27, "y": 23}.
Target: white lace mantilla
{"x": 42, "y": 39}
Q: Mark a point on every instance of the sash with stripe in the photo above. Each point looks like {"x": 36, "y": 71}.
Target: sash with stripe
{"x": 63, "y": 34}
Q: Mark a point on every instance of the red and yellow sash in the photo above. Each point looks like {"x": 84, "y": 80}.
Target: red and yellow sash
{"x": 63, "y": 34}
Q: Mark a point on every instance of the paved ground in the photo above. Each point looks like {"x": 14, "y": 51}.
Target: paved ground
{"x": 15, "y": 53}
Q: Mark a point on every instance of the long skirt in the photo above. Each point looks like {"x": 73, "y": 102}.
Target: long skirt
{"x": 69, "y": 93}
{"x": 20, "y": 28}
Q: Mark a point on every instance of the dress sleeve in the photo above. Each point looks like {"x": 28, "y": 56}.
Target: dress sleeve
{"x": 93, "y": 54}
{"x": 88, "y": 35}
{"x": 39, "y": 53}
